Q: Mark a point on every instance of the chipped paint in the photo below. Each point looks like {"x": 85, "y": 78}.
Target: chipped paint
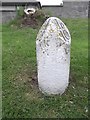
{"x": 53, "y": 56}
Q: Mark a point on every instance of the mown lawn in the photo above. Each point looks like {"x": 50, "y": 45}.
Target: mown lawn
{"x": 21, "y": 97}
{"x": 0, "y": 72}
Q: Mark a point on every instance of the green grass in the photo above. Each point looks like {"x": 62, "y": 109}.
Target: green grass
{"x": 0, "y": 71}
{"x": 21, "y": 99}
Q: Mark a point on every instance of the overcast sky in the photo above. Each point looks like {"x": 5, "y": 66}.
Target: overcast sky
{"x": 50, "y": 2}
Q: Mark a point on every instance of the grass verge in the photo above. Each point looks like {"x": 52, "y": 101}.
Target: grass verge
{"x": 21, "y": 97}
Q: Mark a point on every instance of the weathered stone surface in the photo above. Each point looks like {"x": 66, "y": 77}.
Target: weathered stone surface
{"x": 53, "y": 56}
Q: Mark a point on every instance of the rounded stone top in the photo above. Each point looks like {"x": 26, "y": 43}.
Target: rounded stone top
{"x": 55, "y": 25}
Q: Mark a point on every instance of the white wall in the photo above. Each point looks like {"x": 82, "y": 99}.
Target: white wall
{"x": 51, "y": 2}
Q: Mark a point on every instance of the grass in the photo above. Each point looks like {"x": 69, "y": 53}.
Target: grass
{"x": 0, "y": 71}
{"x": 21, "y": 98}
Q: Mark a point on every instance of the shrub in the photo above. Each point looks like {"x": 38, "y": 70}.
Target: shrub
{"x": 20, "y": 11}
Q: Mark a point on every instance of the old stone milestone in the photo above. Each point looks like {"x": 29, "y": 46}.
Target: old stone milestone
{"x": 53, "y": 56}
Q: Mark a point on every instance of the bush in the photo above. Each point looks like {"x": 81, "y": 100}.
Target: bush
{"x": 20, "y": 11}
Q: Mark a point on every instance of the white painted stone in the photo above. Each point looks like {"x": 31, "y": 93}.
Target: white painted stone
{"x": 53, "y": 56}
{"x": 29, "y": 11}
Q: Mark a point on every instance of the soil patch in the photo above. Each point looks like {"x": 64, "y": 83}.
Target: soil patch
{"x": 33, "y": 20}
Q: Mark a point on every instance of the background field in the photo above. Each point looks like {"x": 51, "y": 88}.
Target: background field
{"x": 21, "y": 97}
